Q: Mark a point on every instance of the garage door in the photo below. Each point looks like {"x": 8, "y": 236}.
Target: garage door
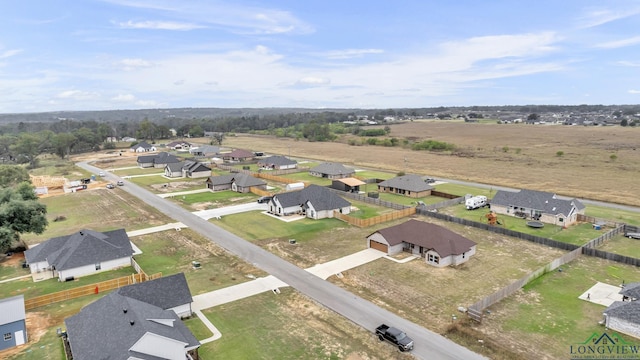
{"x": 378, "y": 246}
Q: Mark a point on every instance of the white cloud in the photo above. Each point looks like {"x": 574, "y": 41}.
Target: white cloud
{"x": 159, "y": 25}
{"x": 632, "y": 91}
{"x": 123, "y": 98}
{"x": 77, "y": 95}
{"x": 597, "y": 17}
{"x": 351, "y": 53}
{"x": 311, "y": 81}
{"x": 133, "y": 64}
{"x": 628, "y": 63}
{"x": 620, "y": 43}
{"x": 9, "y": 53}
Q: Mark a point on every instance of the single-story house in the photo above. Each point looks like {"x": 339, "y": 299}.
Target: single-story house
{"x": 408, "y": 185}
{"x": 188, "y": 169}
{"x": 128, "y": 324}
{"x": 538, "y": 205}
{"x": 277, "y": 162}
{"x": 238, "y": 182}
{"x": 167, "y": 292}
{"x": 623, "y": 317}
{"x": 179, "y": 145}
{"x": 13, "y": 324}
{"x": 237, "y": 155}
{"x": 159, "y": 160}
{"x": 438, "y": 245}
{"x": 204, "y": 151}
{"x": 128, "y": 139}
{"x": 332, "y": 171}
{"x": 630, "y": 292}
{"x": 82, "y": 253}
{"x": 142, "y": 147}
{"x": 347, "y": 184}
{"x": 314, "y": 201}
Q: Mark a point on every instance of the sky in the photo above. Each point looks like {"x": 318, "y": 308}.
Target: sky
{"x": 136, "y": 54}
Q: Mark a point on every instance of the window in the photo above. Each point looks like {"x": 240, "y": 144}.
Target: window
{"x": 561, "y": 219}
{"x": 7, "y": 336}
{"x": 98, "y": 267}
{"x": 434, "y": 258}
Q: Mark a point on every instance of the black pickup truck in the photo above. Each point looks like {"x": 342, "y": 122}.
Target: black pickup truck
{"x": 396, "y": 336}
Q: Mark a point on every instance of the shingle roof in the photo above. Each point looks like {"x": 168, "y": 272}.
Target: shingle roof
{"x": 627, "y": 310}
{"x": 240, "y": 153}
{"x": 430, "y": 236}
{"x": 85, "y": 247}
{"x": 546, "y": 202}
{"x": 320, "y": 197}
{"x": 12, "y": 309}
{"x": 408, "y": 182}
{"x": 332, "y": 169}
{"x": 109, "y": 327}
{"x": 195, "y": 166}
{"x": 175, "y": 167}
{"x": 277, "y": 160}
{"x": 165, "y": 292}
{"x": 142, "y": 144}
{"x": 165, "y": 158}
{"x": 241, "y": 179}
{"x": 631, "y": 290}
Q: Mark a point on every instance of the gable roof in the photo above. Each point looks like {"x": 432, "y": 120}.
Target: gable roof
{"x": 12, "y": 309}
{"x": 546, "y": 202}
{"x": 277, "y": 160}
{"x": 175, "y": 167}
{"x": 84, "y": 247}
{"x": 320, "y": 197}
{"x": 165, "y": 158}
{"x": 142, "y": 144}
{"x": 351, "y": 181}
{"x": 408, "y": 182}
{"x": 205, "y": 149}
{"x": 240, "y": 154}
{"x": 165, "y": 292}
{"x": 113, "y": 326}
{"x": 430, "y": 236}
{"x": 241, "y": 179}
{"x": 332, "y": 169}
{"x": 195, "y": 166}
{"x": 627, "y": 310}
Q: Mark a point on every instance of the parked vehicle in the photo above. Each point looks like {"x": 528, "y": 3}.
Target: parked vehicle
{"x": 101, "y": 173}
{"x": 120, "y": 183}
{"x": 633, "y": 235}
{"x": 110, "y": 186}
{"x": 476, "y": 202}
{"x": 395, "y": 336}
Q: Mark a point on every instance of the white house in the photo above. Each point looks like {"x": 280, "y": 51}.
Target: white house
{"x": 315, "y": 202}
{"x": 79, "y": 254}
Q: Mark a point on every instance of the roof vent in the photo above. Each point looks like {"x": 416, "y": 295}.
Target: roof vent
{"x": 124, "y": 310}
{"x": 131, "y": 322}
{"x": 81, "y": 233}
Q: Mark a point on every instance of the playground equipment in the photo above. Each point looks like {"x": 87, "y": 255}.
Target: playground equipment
{"x": 492, "y": 218}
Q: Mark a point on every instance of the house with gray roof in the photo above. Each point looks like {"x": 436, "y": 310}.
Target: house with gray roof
{"x": 142, "y": 147}
{"x": 159, "y": 160}
{"x": 167, "y": 292}
{"x": 187, "y": 169}
{"x": 82, "y": 253}
{"x": 407, "y": 185}
{"x": 205, "y": 151}
{"x": 238, "y": 155}
{"x": 277, "y": 162}
{"x": 538, "y": 205}
{"x": 630, "y": 291}
{"x": 123, "y": 325}
{"x": 238, "y": 182}
{"x": 314, "y": 201}
{"x": 330, "y": 170}
{"x": 13, "y": 324}
{"x": 623, "y": 317}
{"x": 437, "y": 245}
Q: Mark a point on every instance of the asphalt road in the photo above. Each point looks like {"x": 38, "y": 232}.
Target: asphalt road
{"x": 428, "y": 345}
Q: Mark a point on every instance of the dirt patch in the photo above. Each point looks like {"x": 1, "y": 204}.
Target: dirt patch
{"x": 14, "y": 260}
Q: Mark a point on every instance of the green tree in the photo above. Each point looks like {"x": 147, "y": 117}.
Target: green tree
{"x": 624, "y": 122}
{"x": 63, "y": 143}
{"x": 196, "y": 131}
{"x": 533, "y": 117}
{"x": 217, "y": 138}
{"x": 12, "y": 175}
{"x": 27, "y": 148}
{"x": 20, "y": 212}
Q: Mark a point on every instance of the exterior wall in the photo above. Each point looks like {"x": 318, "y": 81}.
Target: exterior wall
{"x": 412, "y": 194}
{"x": 200, "y": 174}
{"x": 462, "y": 258}
{"x": 443, "y": 262}
{"x": 623, "y": 326}
{"x": 13, "y": 328}
{"x": 219, "y": 187}
{"x": 145, "y": 165}
{"x": 545, "y": 218}
{"x": 170, "y": 174}
{"x": 91, "y": 269}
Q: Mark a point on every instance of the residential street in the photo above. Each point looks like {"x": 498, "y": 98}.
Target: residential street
{"x": 428, "y": 345}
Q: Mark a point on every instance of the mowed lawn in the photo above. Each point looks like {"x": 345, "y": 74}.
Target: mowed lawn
{"x": 289, "y": 326}
{"x": 547, "y": 314}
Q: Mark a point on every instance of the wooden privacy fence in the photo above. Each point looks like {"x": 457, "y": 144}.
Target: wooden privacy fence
{"x": 85, "y": 290}
{"x": 375, "y": 220}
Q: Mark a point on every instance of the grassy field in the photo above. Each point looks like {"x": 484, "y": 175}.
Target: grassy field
{"x": 99, "y": 209}
{"x": 530, "y": 161}
{"x": 289, "y": 326}
{"x": 210, "y": 200}
{"x": 171, "y": 252}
